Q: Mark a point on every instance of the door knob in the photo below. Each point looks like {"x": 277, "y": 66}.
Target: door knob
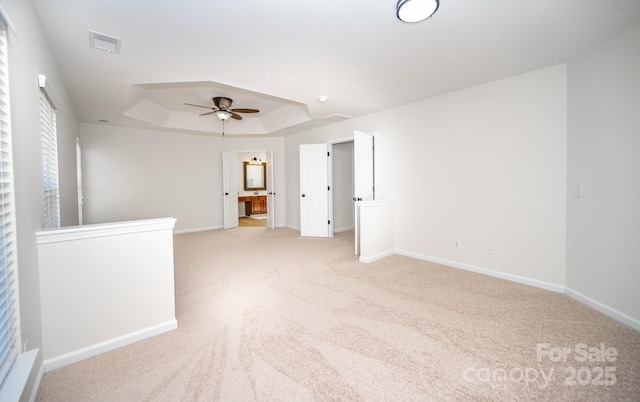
{"x": 226, "y": 193}
{"x": 303, "y": 196}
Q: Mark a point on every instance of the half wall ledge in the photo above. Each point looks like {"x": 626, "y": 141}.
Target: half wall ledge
{"x": 104, "y": 286}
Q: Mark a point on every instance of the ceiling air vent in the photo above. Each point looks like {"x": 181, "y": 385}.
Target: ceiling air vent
{"x": 336, "y": 117}
{"x": 104, "y": 42}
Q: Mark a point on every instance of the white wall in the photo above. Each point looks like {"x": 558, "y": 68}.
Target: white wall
{"x": 604, "y": 157}
{"x": 485, "y": 166}
{"x": 138, "y": 173}
{"x": 96, "y": 289}
{"x": 29, "y": 56}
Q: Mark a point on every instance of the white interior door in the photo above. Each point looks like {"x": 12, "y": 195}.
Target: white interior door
{"x": 363, "y": 177}
{"x": 230, "y": 188}
{"x": 314, "y": 193}
{"x": 271, "y": 217}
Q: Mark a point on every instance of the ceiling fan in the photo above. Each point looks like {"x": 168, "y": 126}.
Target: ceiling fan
{"x": 222, "y": 109}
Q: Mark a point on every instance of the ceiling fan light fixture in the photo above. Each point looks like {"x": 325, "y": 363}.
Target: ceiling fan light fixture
{"x": 416, "y": 10}
{"x": 223, "y": 115}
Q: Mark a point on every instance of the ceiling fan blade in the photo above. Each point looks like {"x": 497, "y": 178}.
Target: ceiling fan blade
{"x": 235, "y": 115}
{"x": 244, "y": 110}
{"x": 204, "y": 114}
{"x": 191, "y": 104}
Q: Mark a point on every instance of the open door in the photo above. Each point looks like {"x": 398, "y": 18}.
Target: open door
{"x": 230, "y": 189}
{"x": 271, "y": 217}
{"x": 363, "y": 177}
{"x": 314, "y": 191}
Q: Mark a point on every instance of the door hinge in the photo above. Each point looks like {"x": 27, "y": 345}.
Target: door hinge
{"x": 328, "y": 188}
{"x": 327, "y": 153}
{"x": 328, "y": 222}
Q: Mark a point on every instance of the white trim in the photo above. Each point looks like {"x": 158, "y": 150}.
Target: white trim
{"x": 102, "y": 230}
{"x": 106, "y": 346}
{"x": 340, "y": 140}
{"x": 16, "y": 380}
{"x": 344, "y": 229}
{"x": 604, "y": 309}
{"x": 586, "y": 300}
{"x": 203, "y": 229}
{"x": 46, "y": 88}
{"x": 7, "y": 20}
{"x": 36, "y": 384}
{"x": 496, "y": 274}
{"x": 376, "y": 257}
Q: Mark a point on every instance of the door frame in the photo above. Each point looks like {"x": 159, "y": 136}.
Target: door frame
{"x": 270, "y": 179}
{"x": 330, "y": 145}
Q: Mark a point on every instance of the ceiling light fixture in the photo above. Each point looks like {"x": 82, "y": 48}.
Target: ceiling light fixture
{"x": 416, "y": 10}
{"x": 223, "y": 115}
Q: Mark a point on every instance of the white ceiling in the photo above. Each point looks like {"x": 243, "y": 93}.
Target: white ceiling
{"x": 280, "y": 55}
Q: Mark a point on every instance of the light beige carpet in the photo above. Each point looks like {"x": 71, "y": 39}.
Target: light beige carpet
{"x": 266, "y": 315}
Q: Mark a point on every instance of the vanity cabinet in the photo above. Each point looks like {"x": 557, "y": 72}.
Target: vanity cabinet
{"x": 254, "y": 205}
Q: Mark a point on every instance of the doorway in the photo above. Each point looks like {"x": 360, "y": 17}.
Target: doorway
{"x": 248, "y": 189}
{"x": 317, "y": 186}
{"x": 343, "y": 186}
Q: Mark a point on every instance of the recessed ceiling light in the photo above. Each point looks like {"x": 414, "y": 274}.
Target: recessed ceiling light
{"x": 416, "y": 10}
{"x": 104, "y": 42}
{"x": 323, "y": 98}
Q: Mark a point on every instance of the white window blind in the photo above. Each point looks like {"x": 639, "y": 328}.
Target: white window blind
{"x": 51, "y": 190}
{"x": 9, "y": 328}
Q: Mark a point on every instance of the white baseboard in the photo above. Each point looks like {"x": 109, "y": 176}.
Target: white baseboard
{"x": 376, "y": 257}
{"x": 204, "y": 229}
{"x": 496, "y": 274}
{"x": 338, "y": 230}
{"x": 604, "y": 309}
{"x": 601, "y": 307}
{"x": 106, "y": 346}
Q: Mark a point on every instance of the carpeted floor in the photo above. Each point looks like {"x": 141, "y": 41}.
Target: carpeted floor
{"x": 266, "y": 315}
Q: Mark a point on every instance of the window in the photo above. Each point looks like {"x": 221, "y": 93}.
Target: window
{"x": 51, "y": 189}
{"x": 9, "y": 329}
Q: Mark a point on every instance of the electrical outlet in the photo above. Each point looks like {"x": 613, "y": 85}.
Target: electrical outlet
{"x": 456, "y": 244}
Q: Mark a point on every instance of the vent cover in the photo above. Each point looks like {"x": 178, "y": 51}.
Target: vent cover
{"x": 104, "y": 42}
{"x": 336, "y": 117}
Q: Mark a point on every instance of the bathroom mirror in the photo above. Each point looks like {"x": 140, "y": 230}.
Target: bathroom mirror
{"x": 255, "y": 176}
